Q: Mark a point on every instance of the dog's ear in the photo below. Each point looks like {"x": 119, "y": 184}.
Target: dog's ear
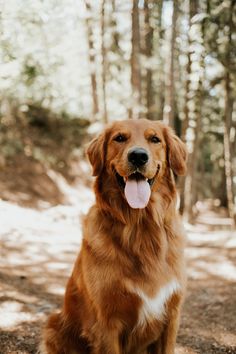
{"x": 176, "y": 152}
{"x": 96, "y": 153}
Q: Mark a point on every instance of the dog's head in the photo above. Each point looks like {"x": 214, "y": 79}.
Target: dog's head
{"x": 137, "y": 154}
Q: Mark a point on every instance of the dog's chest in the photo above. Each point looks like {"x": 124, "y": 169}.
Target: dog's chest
{"x": 154, "y": 307}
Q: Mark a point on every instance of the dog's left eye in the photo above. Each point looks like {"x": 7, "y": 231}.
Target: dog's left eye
{"x": 154, "y": 139}
{"x": 120, "y": 138}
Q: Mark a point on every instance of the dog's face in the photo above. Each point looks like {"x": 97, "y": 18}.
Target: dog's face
{"x": 137, "y": 153}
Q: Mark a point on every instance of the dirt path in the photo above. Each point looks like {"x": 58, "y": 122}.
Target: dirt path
{"x": 37, "y": 250}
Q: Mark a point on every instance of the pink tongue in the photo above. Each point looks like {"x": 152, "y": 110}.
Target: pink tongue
{"x": 137, "y": 193}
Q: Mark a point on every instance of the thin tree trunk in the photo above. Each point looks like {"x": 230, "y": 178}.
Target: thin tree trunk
{"x": 148, "y": 52}
{"x": 191, "y": 179}
{"x": 169, "y": 109}
{"x": 192, "y": 13}
{"x": 115, "y": 34}
{"x": 104, "y": 61}
{"x": 185, "y": 124}
{"x": 159, "y": 20}
{"x": 228, "y": 122}
{"x": 222, "y": 191}
{"x": 92, "y": 60}
{"x": 159, "y": 31}
{"x": 227, "y": 150}
{"x": 115, "y": 43}
{"x": 135, "y": 63}
{"x": 193, "y": 165}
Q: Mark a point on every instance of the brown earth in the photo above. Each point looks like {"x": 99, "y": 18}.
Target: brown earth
{"x": 38, "y": 248}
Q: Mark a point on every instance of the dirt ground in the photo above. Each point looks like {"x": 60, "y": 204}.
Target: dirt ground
{"x": 39, "y": 246}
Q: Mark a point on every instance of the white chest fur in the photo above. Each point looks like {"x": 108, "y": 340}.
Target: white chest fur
{"x": 154, "y": 307}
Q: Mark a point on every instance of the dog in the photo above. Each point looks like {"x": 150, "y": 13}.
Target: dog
{"x": 128, "y": 283}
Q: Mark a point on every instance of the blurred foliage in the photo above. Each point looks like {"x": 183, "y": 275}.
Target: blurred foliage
{"x": 40, "y": 135}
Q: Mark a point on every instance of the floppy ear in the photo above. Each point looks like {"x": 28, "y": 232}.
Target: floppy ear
{"x": 96, "y": 154}
{"x": 176, "y": 152}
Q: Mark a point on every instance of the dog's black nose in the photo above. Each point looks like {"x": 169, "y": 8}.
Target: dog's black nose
{"x": 138, "y": 156}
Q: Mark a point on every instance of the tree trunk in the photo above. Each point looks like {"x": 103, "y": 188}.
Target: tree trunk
{"x": 193, "y": 159}
{"x": 185, "y": 124}
{"x": 222, "y": 190}
{"x": 115, "y": 48}
{"x": 190, "y": 189}
{"x": 115, "y": 34}
{"x": 169, "y": 109}
{"x": 227, "y": 149}
{"x": 104, "y": 62}
{"x": 135, "y": 63}
{"x": 92, "y": 61}
{"x": 228, "y": 122}
{"x": 158, "y": 40}
{"x": 148, "y": 52}
{"x": 159, "y": 19}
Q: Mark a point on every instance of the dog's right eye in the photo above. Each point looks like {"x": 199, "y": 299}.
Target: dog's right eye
{"x": 120, "y": 138}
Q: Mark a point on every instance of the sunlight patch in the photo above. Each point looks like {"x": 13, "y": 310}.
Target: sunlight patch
{"x": 221, "y": 336}
{"x": 222, "y": 268}
{"x": 11, "y": 314}
{"x": 56, "y": 289}
{"x": 57, "y": 266}
{"x": 185, "y": 350}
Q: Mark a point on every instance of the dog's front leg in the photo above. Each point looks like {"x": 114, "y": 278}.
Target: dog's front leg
{"x": 108, "y": 343}
{"x": 166, "y": 342}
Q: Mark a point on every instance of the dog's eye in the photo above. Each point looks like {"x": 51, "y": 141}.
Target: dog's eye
{"x": 154, "y": 139}
{"x": 120, "y": 138}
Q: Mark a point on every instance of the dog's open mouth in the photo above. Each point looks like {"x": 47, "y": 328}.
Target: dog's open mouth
{"x": 137, "y": 189}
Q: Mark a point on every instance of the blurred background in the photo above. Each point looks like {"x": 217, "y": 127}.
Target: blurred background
{"x": 69, "y": 67}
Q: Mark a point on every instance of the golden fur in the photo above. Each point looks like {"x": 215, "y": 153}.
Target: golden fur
{"x": 131, "y": 260}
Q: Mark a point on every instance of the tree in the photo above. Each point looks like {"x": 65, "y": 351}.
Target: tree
{"x": 185, "y": 123}
{"x": 135, "y": 63}
{"x": 229, "y": 114}
{"x": 104, "y": 61}
{"x": 159, "y": 39}
{"x": 92, "y": 60}
{"x": 148, "y": 52}
{"x": 113, "y": 23}
{"x": 195, "y": 88}
{"x": 169, "y": 109}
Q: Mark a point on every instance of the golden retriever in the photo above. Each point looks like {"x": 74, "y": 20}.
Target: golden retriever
{"x": 128, "y": 282}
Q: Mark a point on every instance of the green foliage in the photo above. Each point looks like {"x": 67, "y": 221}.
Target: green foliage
{"x": 12, "y": 148}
